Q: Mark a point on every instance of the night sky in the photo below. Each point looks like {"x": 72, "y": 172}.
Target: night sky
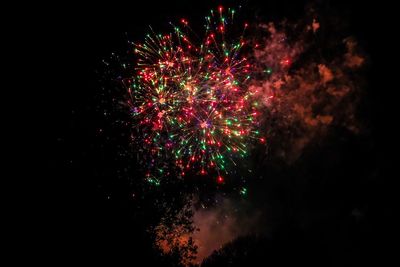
{"x": 330, "y": 206}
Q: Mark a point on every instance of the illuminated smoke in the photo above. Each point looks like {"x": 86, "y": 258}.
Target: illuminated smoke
{"x": 304, "y": 93}
{"x": 222, "y": 224}
{"x": 210, "y": 228}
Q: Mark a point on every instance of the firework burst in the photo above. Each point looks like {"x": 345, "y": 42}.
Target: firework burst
{"x": 189, "y": 101}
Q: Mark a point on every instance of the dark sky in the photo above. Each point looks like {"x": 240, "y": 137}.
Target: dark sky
{"x": 83, "y": 225}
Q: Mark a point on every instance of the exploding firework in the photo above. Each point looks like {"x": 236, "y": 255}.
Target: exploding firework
{"x": 189, "y": 101}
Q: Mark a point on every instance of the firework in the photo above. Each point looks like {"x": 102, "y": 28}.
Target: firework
{"x": 189, "y": 102}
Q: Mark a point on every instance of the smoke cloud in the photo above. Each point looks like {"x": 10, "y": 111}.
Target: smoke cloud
{"x": 221, "y": 224}
{"x": 304, "y": 92}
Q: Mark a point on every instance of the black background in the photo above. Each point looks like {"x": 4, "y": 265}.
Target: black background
{"x": 86, "y": 214}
